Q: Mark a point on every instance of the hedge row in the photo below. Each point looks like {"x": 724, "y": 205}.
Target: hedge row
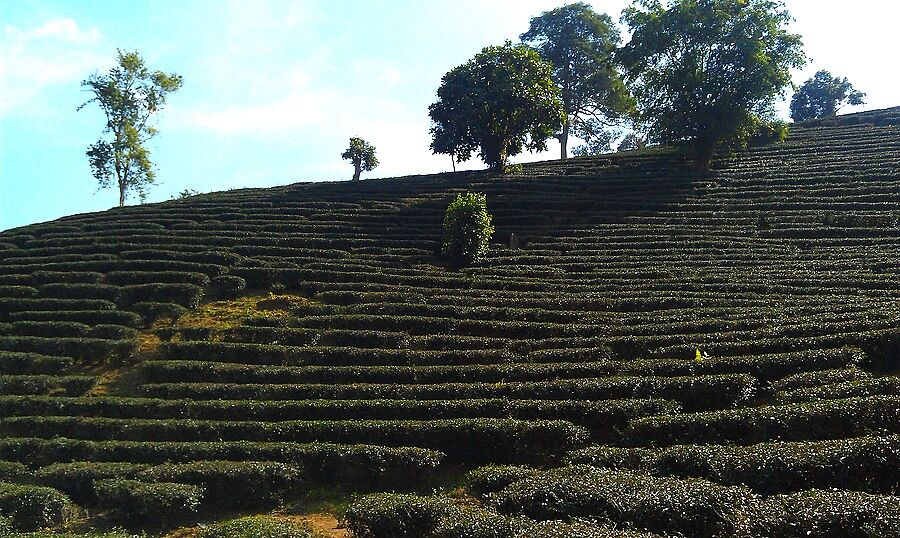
{"x": 391, "y": 515}
{"x": 149, "y": 504}
{"x": 848, "y": 389}
{"x": 827, "y": 419}
{"x": 480, "y": 440}
{"x": 76, "y": 479}
{"x": 129, "y": 278}
{"x": 330, "y": 462}
{"x": 11, "y": 305}
{"x": 816, "y": 377}
{"x": 89, "y": 317}
{"x": 18, "y": 363}
{"x": 203, "y": 371}
{"x": 605, "y": 418}
{"x": 258, "y": 527}
{"x": 71, "y": 385}
{"x": 700, "y": 392}
{"x": 86, "y": 349}
{"x": 32, "y": 507}
{"x": 229, "y": 484}
{"x": 666, "y": 505}
{"x": 831, "y": 514}
{"x": 865, "y": 463}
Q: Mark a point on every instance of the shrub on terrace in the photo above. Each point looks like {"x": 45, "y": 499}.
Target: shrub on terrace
{"x": 32, "y": 507}
{"x": 257, "y": 527}
{"x": 467, "y": 228}
{"x": 142, "y": 503}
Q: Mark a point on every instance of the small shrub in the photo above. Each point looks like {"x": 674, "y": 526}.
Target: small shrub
{"x": 228, "y": 286}
{"x": 142, "y": 502}
{"x": 257, "y": 527}
{"x": 391, "y": 515}
{"x": 77, "y": 479}
{"x": 467, "y": 228}
{"x": 493, "y": 478}
{"x": 33, "y": 507}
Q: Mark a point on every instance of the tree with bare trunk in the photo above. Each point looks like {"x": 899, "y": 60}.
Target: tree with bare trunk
{"x": 580, "y": 44}
{"x": 129, "y": 95}
{"x": 362, "y": 155}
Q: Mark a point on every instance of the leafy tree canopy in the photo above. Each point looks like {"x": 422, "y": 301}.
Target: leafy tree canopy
{"x": 703, "y": 70}
{"x": 467, "y": 228}
{"x": 499, "y": 102}
{"x": 597, "y": 138}
{"x": 129, "y": 95}
{"x": 580, "y": 44}
{"x": 362, "y": 155}
{"x": 632, "y": 141}
{"x": 824, "y": 95}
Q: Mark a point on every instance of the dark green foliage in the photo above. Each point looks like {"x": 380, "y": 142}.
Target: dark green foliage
{"x": 864, "y": 463}
{"x": 89, "y": 317}
{"x": 17, "y": 363}
{"x": 12, "y": 471}
{"x": 186, "y": 295}
{"x": 144, "y": 504}
{"x": 362, "y": 155}
{"x": 32, "y": 507}
{"x": 228, "y": 484}
{"x": 467, "y": 228}
{"x": 493, "y": 478}
{"x": 128, "y": 96}
{"x": 831, "y": 514}
{"x": 500, "y": 102}
{"x": 666, "y": 505}
{"x": 64, "y": 290}
{"x": 580, "y": 43}
{"x": 75, "y": 385}
{"x": 152, "y": 311}
{"x": 383, "y": 515}
{"x": 681, "y": 61}
{"x": 77, "y": 479}
{"x": 132, "y": 278}
{"x": 95, "y": 350}
{"x": 817, "y": 378}
{"x": 256, "y": 527}
{"x": 17, "y": 291}
{"x": 822, "y": 95}
{"x": 228, "y": 286}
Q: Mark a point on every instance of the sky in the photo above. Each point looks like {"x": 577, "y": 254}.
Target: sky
{"x": 274, "y": 89}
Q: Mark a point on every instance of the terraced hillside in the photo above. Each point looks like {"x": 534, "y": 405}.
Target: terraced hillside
{"x": 256, "y": 344}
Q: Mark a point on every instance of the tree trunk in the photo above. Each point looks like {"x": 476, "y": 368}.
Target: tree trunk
{"x": 453, "y": 160}
{"x": 703, "y": 154}
{"x": 121, "y": 195}
{"x": 564, "y": 141}
{"x": 357, "y": 169}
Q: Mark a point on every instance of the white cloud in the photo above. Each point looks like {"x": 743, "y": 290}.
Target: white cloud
{"x": 290, "y": 112}
{"x": 33, "y": 59}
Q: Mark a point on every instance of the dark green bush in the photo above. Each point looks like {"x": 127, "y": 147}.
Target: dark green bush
{"x": 493, "y": 478}
{"x": 152, "y": 311}
{"x": 33, "y": 507}
{"x": 467, "y": 228}
{"x": 829, "y": 514}
{"x": 77, "y": 479}
{"x": 18, "y": 291}
{"x": 819, "y": 377}
{"x": 229, "y": 484}
{"x": 392, "y": 515}
{"x": 257, "y": 527}
{"x": 144, "y": 504}
{"x": 63, "y": 290}
{"x": 89, "y": 317}
{"x": 18, "y": 363}
{"x": 666, "y": 505}
{"x": 228, "y": 286}
{"x": 186, "y": 295}
{"x": 13, "y": 471}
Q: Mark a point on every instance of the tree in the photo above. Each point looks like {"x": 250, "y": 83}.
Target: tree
{"x": 362, "y": 155}
{"x": 467, "y": 228}
{"x": 824, "y": 95}
{"x": 129, "y": 95}
{"x": 703, "y": 70}
{"x": 499, "y": 102}
{"x": 580, "y": 43}
{"x": 597, "y": 138}
{"x": 632, "y": 141}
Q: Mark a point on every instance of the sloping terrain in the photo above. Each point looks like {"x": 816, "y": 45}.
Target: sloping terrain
{"x": 724, "y": 338}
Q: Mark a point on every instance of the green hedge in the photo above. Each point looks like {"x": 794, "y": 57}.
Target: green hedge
{"x": 33, "y": 507}
{"x": 666, "y": 505}
{"x": 492, "y": 478}
{"x": 94, "y": 350}
{"x": 65, "y": 290}
{"x": 827, "y": 419}
{"x": 846, "y": 389}
{"x": 328, "y": 462}
{"x": 72, "y": 385}
{"x": 19, "y": 363}
{"x": 229, "y": 484}
{"x": 479, "y": 440}
{"x": 89, "y": 317}
{"x": 13, "y": 471}
{"x": 186, "y": 295}
{"x": 131, "y": 278}
{"x": 257, "y": 527}
{"x": 830, "y": 514}
{"x": 865, "y": 463}
{"x": 819, "y": 377}
{"x": 148, "y": 505}
{"x": 76, "y": 479}
{"x": 395, "y": 515}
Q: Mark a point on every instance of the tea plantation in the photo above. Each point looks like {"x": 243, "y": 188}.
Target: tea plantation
{"x": 661, "y": 354}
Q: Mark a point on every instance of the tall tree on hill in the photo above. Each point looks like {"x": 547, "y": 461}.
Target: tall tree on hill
{"x": 580, "y": 44}
{"x": 499, "y": 102}
{"x": 362, "y": 155}
{"x": 705, "y": 71}
{"x": 824, "y": 95}
{"x": 129, "y": 95}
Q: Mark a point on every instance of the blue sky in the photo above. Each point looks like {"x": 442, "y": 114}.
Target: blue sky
{"x": 274, "y": 89}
